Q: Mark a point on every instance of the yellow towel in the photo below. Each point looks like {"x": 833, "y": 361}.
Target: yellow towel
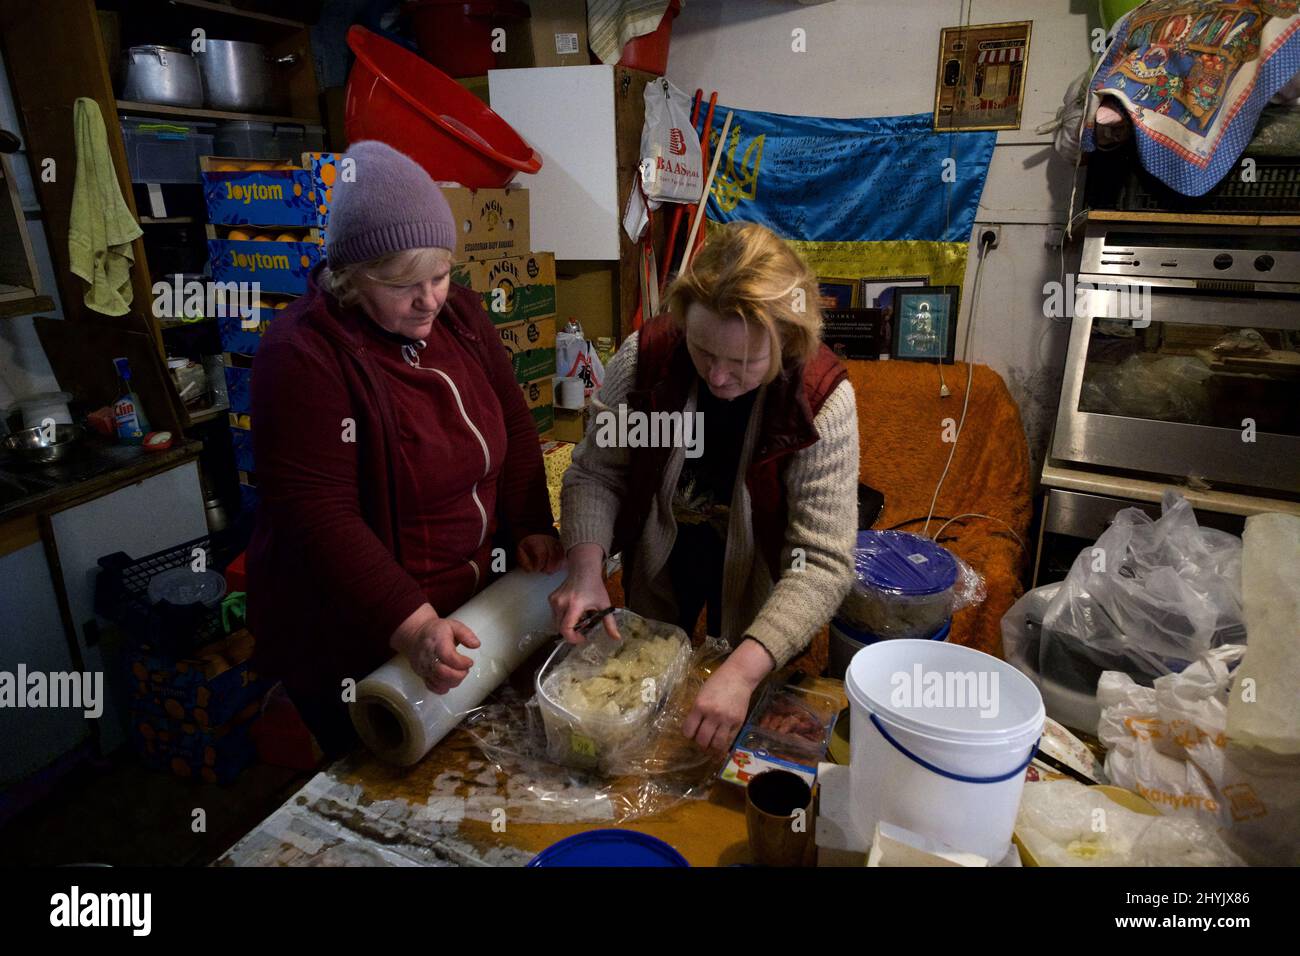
{"x": 102, "y": 228}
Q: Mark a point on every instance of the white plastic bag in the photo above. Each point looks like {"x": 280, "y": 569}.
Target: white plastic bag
{"x": 1169, "y": 743}
{"x": 672, "y": 167}
{"x": 576, "y": 357}
{"x": 1148, "y": 599}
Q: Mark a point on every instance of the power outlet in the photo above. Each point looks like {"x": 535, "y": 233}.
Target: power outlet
{"x": 986, "y": 230}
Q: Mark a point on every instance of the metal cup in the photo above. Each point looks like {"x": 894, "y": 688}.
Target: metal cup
{"x": 778, "y": 818}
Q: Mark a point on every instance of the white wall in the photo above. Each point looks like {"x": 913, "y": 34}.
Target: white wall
{"x": 24, "y": 369}
{"x": 878, "y": 58}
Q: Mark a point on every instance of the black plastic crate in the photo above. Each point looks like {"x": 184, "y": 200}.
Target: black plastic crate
{"x": 122, "y": 596}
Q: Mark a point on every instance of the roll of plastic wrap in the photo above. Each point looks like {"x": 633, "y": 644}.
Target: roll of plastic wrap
{"x": 401, "y": 720}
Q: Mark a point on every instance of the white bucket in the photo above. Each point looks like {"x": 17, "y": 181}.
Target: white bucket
{"x": 945, "y": 756}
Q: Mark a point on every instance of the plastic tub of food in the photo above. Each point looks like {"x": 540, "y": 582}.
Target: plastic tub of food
{"x": 904, "y": 585}
{"x": 847, "y": 641}
{"x": 599, "y": 699}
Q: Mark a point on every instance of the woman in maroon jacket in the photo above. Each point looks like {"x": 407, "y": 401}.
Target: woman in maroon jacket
{"x": 394, "y": 452}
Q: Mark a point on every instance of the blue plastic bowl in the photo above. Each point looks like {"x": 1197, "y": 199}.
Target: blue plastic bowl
{"x": 609, "y": 848}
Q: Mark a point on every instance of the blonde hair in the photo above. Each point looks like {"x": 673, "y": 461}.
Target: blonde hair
{"x": 403, "y": 267}
{"x": 747, "y": 270}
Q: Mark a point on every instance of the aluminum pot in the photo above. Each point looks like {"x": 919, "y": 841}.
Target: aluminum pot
{"x": 243, "y": 77}
{"x": 165, "y": 75}
{"x": 38, "y": 446}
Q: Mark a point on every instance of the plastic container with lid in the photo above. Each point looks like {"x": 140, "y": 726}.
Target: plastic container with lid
{"x": 594, "y": 740}
{"x": 246, "y": 139}
{"x": 165, "y": 151}
{"x": 847, "y": 640}
{"x": 903, "y": 585}
{"x": 44, "y": 405}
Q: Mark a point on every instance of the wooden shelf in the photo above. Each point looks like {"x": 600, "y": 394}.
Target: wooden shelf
{"x": 229, "y": 11}
{"x": 168, "y": 221}
{"x": 24, "y": 305}
{"x": 207, "y": 414}
{"x": 194, "y": 112}
{"x": 165, "y": 324}
{"x": 1195, "y": 219}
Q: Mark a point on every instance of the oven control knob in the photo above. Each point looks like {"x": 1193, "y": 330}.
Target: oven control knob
{"x": 1223, "y": 261}
{"x": 1263, "y": 263}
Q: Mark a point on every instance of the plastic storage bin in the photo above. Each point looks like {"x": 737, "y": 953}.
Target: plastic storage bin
{"x": 292, "y": 140}
{"x": 593, "y": 740}
{"x": 903, "y": 587}
{"x": 165, "y": 151}
{"x": 246, "y": 139}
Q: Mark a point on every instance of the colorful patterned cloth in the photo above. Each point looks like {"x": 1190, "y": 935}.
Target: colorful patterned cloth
{"x": 1194, "y": 76}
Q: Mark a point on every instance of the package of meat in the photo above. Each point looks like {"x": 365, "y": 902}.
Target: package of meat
{"x": 788, "y": 729}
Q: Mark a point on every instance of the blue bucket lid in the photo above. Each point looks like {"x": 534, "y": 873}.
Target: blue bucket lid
{"x": 903, "y": 563}
{"x": 609, "y": 848}
{"x": 866, "y": 637}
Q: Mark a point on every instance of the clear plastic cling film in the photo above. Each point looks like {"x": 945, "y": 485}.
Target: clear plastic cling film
{"x": 601, "y": 737}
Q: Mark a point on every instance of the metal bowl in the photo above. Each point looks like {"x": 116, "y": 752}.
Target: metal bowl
{"x": 36, "y": 446}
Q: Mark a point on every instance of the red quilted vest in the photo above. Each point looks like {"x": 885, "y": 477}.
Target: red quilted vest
{"x": 664, "y": 375}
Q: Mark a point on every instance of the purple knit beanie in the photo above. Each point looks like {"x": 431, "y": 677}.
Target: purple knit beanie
{"x": 391, "y": 205}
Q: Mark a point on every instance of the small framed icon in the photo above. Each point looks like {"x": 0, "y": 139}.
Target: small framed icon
{"x": 925, "y": 323}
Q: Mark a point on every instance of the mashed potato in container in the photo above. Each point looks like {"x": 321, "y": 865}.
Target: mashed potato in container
{"x": 600, "y": 699}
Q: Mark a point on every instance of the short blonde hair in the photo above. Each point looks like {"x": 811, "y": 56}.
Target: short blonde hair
{"x": 747, "y": 270}
{"x": 404, "y": 267}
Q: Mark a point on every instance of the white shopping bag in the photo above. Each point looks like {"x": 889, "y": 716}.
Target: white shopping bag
{"x": 1169, "y": 742}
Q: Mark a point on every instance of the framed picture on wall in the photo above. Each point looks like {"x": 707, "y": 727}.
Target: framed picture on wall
{"x": 872, "y": 287}
{"x": 838, "y": 293}
{"x": 925, "y": 324}
{"x": 981, "y": 80}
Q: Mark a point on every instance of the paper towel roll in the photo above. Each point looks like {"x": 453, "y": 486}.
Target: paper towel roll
{"x": 401, "y": 720}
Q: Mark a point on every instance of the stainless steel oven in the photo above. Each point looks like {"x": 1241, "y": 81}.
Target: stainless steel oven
{"x": 1184, "y": 354}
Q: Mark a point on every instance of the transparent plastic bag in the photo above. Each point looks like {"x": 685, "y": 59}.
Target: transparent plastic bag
{"x": 657, "y": 771}
{"x": 1147, "y": 599}
{"x": 899, "y": 585}
{"x": 1170, "y": 389}
{"x": 1059, "y": 822}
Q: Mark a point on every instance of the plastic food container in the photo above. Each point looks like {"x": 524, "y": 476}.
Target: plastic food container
{"x": 847, "y": 640}
{"x": 903, "y": 587}
{"x": 593, "y": 740}
{"x": 247, "y": 139}
{"x": 165, "y": 151}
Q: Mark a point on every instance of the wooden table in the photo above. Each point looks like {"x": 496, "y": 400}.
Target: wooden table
{"x": 454, "y": 808}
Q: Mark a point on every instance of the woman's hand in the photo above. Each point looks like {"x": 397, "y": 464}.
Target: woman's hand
{"x": 582, "y": 591}
{"x": 540, "y": 552}
{"x": 429, "y": 642}
{"x": 723, "y": 701}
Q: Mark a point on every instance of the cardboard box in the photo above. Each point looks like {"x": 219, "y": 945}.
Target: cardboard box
{"x": 533, "y": 334}
{"x": 275, "y": 266}
{"x": 533, "y": 364}
{"x": 296, "y": 197}
{"x": 570, "y": 425}
{"x": 544, "y": 418}
{"x": 241, "y": 441}
{"x": 478, "y": 85}
{"x": 490, "y": 223}
{"x": 586, "y": 291}
{"x": 555, "y": 35}
{"x": 538, "y": 392}
{"x": 514, "y": 289}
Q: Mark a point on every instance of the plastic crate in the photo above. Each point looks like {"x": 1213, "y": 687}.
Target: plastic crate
{"x": 247, "y": 139}
{"x": 165, "y": 151}
{"x": 122, "y": 596}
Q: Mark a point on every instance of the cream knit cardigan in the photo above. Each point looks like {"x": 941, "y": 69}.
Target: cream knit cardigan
{"x": 821, "y": 494}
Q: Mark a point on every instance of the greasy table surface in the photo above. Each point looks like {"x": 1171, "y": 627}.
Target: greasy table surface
{"x": 456, "y": 808}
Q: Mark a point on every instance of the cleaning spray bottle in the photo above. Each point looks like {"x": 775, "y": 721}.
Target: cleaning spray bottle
{"x": 128, "y": 413}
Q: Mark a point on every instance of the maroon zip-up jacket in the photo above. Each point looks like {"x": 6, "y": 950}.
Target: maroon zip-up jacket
{"x": 327, "y": 586}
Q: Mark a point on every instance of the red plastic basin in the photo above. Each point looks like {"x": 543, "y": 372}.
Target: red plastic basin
{"x": 400, "y": 99}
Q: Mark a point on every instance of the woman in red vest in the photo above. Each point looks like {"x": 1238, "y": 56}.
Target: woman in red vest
{"x": 751, "y": 514}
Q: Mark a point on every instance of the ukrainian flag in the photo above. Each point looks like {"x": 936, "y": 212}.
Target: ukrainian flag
{"x": 858, "y": 198}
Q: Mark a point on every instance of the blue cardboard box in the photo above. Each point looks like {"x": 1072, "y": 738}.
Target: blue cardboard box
{"x": 275, "y": 266}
